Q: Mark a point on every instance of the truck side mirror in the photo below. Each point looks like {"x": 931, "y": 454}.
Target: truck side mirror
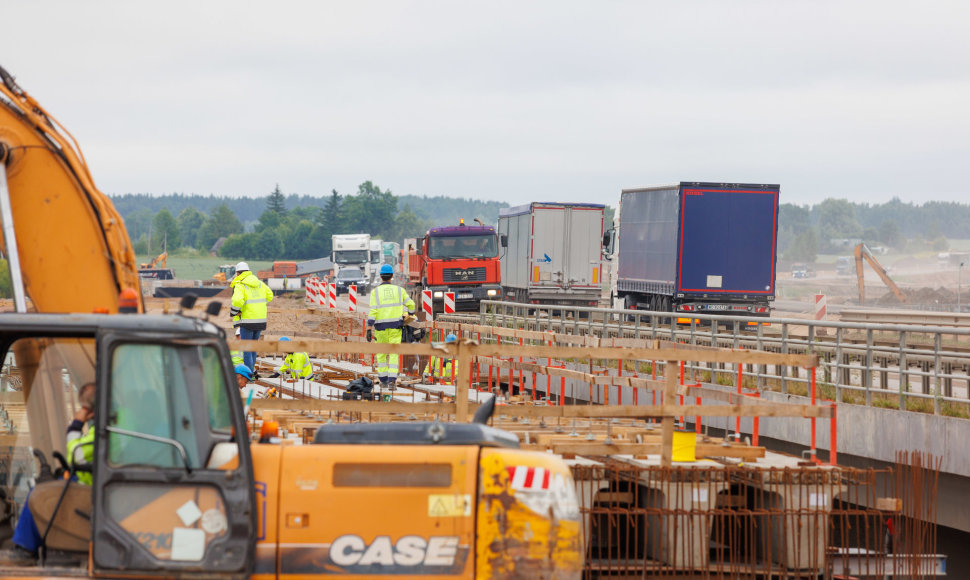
{"x": 504, "y": 240}
{"x": 418, "y": 251}
{"x": 606, "y": 238}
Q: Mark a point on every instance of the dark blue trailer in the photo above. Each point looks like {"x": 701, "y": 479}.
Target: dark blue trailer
{"x": 696, "y": 247}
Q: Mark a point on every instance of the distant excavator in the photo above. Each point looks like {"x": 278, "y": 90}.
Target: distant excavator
{"x": 159, "y": 262}
{"x": 862, "y": 252}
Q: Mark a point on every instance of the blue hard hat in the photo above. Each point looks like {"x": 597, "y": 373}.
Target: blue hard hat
{"x": 386, "y": 269}
{"x": 244, "y": 371}
{"x": 282, "y": 338}
{"x": 451, "y": 338}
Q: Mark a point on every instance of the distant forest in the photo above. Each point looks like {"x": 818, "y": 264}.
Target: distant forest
{"x": 436, "y": 210}
{"x": 834, "y": 225}
{"x": 281, "y": 226}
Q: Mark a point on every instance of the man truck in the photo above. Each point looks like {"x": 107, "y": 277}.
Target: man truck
{"x": 694, "y": 247}
{"x": 554, "y": 253}
{"x": 461, "y": 259}
{"x": 176, "y": 489}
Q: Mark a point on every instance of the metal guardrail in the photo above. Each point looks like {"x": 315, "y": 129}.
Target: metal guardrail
{"x": 862, "y": 363}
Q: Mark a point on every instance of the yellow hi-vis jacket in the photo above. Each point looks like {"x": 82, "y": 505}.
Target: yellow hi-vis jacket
{"x": 440, "y": 368}
{"x": 250, "y": 297}
{"x": 297, "y": 364}
{"x": 80, "y": 450}
{"x": 387, "y": 306}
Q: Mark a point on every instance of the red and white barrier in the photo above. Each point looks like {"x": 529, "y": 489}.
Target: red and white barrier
{"x": 426, "y": 304}
{"x": 352, "y": 298}
{"x": 819, "y": 306}
{"x": 309, "y": 298}
{"x": 332, "y": 293}
{"x": 449, "y": 302}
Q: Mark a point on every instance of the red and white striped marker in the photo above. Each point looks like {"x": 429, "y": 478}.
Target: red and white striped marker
{"x": 819, "y": 306}
{"x": 426, "y": 303}
{"x": 308, "y": 297}
{"x": 321, "y": 293}
{"x": 333, "y": 295}
{"x": 449, "y": 302}
{"x": 352, "y": 298}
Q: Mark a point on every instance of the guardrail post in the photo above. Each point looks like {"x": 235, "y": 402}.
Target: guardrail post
{"x": 867, "y": 371}
{"x": 903, "y": 372}
{"x": 937, "y": 345}
{"x": 782, "y": 369}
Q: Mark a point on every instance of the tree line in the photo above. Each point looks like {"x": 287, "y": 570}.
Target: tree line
{"x": 280, "y": 226}
{"x": 834, "y": 225}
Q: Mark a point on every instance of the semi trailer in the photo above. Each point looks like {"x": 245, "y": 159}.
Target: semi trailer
{"x": 694, "y": 247}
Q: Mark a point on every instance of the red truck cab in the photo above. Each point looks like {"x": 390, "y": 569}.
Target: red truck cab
{"x": 460, "y": 259}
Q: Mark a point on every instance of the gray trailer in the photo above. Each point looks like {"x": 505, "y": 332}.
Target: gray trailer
{"x": 554, "y": 253}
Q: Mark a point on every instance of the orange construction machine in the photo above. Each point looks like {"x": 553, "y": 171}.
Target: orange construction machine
{"x": 862, "y": 252}
{"x": 167, "y": 484}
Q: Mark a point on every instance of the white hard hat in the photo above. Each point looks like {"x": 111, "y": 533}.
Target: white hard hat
{"x": 242, "y": 267}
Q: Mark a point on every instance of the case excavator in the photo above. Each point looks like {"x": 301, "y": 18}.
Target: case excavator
{"x": 177, "y": 490}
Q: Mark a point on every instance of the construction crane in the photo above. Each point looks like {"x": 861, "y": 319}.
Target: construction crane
{"x": 862, "y": 252}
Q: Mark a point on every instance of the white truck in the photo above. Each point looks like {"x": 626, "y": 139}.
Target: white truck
{"x": 554, "y": 253}
{"x": 351, "y": 250}
{"x": 376, "y": 260}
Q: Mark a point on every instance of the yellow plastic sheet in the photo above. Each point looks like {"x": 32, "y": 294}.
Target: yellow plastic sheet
{"x": 685, "y": 445}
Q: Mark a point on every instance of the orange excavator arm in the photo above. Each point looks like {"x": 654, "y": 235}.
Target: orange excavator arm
{"x": 66, "y": 244}
{"x": 862, "y": 253}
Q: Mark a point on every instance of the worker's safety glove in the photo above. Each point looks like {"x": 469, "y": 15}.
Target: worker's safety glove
{"x": 233, "y": 311}
{"x": 255, "y": 377}
{"x": 273, "y": 376}
{"x": 370, "y": 335}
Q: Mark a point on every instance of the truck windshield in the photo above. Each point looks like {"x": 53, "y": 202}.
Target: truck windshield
{"x": 462, "y": 247}
{"x": 350, "y": 274}
{"x": 350, "y": 256}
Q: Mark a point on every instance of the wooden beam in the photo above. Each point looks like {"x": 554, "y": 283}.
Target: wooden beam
{"x": 578, "y": 411}
{"x": 558, "y": 352}
{"x": 667, "y": 423}
{"x": 702, "y": 451}
{"x": 464, "y": 369}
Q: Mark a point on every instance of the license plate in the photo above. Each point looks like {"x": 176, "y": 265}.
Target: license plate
{"x": 464, "y": 296}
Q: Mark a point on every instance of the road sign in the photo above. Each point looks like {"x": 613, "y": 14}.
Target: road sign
{"x": 426, "y": 303}
{"x": 449, "y": 302}
{"x": 352, "y": 298}
{"x": 333, "y": 295}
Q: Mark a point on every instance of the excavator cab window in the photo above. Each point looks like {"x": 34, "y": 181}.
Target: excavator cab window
{"x": 173, "y": 486}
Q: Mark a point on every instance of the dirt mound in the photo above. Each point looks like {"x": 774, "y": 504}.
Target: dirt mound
{"x": 922, "y": 296}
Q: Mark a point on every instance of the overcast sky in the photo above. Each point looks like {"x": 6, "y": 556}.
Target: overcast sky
{"x": 512, "y": 101}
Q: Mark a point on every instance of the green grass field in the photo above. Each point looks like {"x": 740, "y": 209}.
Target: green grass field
{"x": 201, "y": 267}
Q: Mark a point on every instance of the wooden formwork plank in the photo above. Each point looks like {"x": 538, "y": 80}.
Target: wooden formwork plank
{"x": 557, "y": 352}
{"x": 702, "y": 451}
{"x": 762, "y": 409}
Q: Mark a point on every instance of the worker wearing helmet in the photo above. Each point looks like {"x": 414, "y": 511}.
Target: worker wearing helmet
{"x": 243, "y": 376}
{"x": 385, "y": 321}
{"x": 249, "y": 299}
{"x": 296, "y": 364}
{"x": 442, "y": 369}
